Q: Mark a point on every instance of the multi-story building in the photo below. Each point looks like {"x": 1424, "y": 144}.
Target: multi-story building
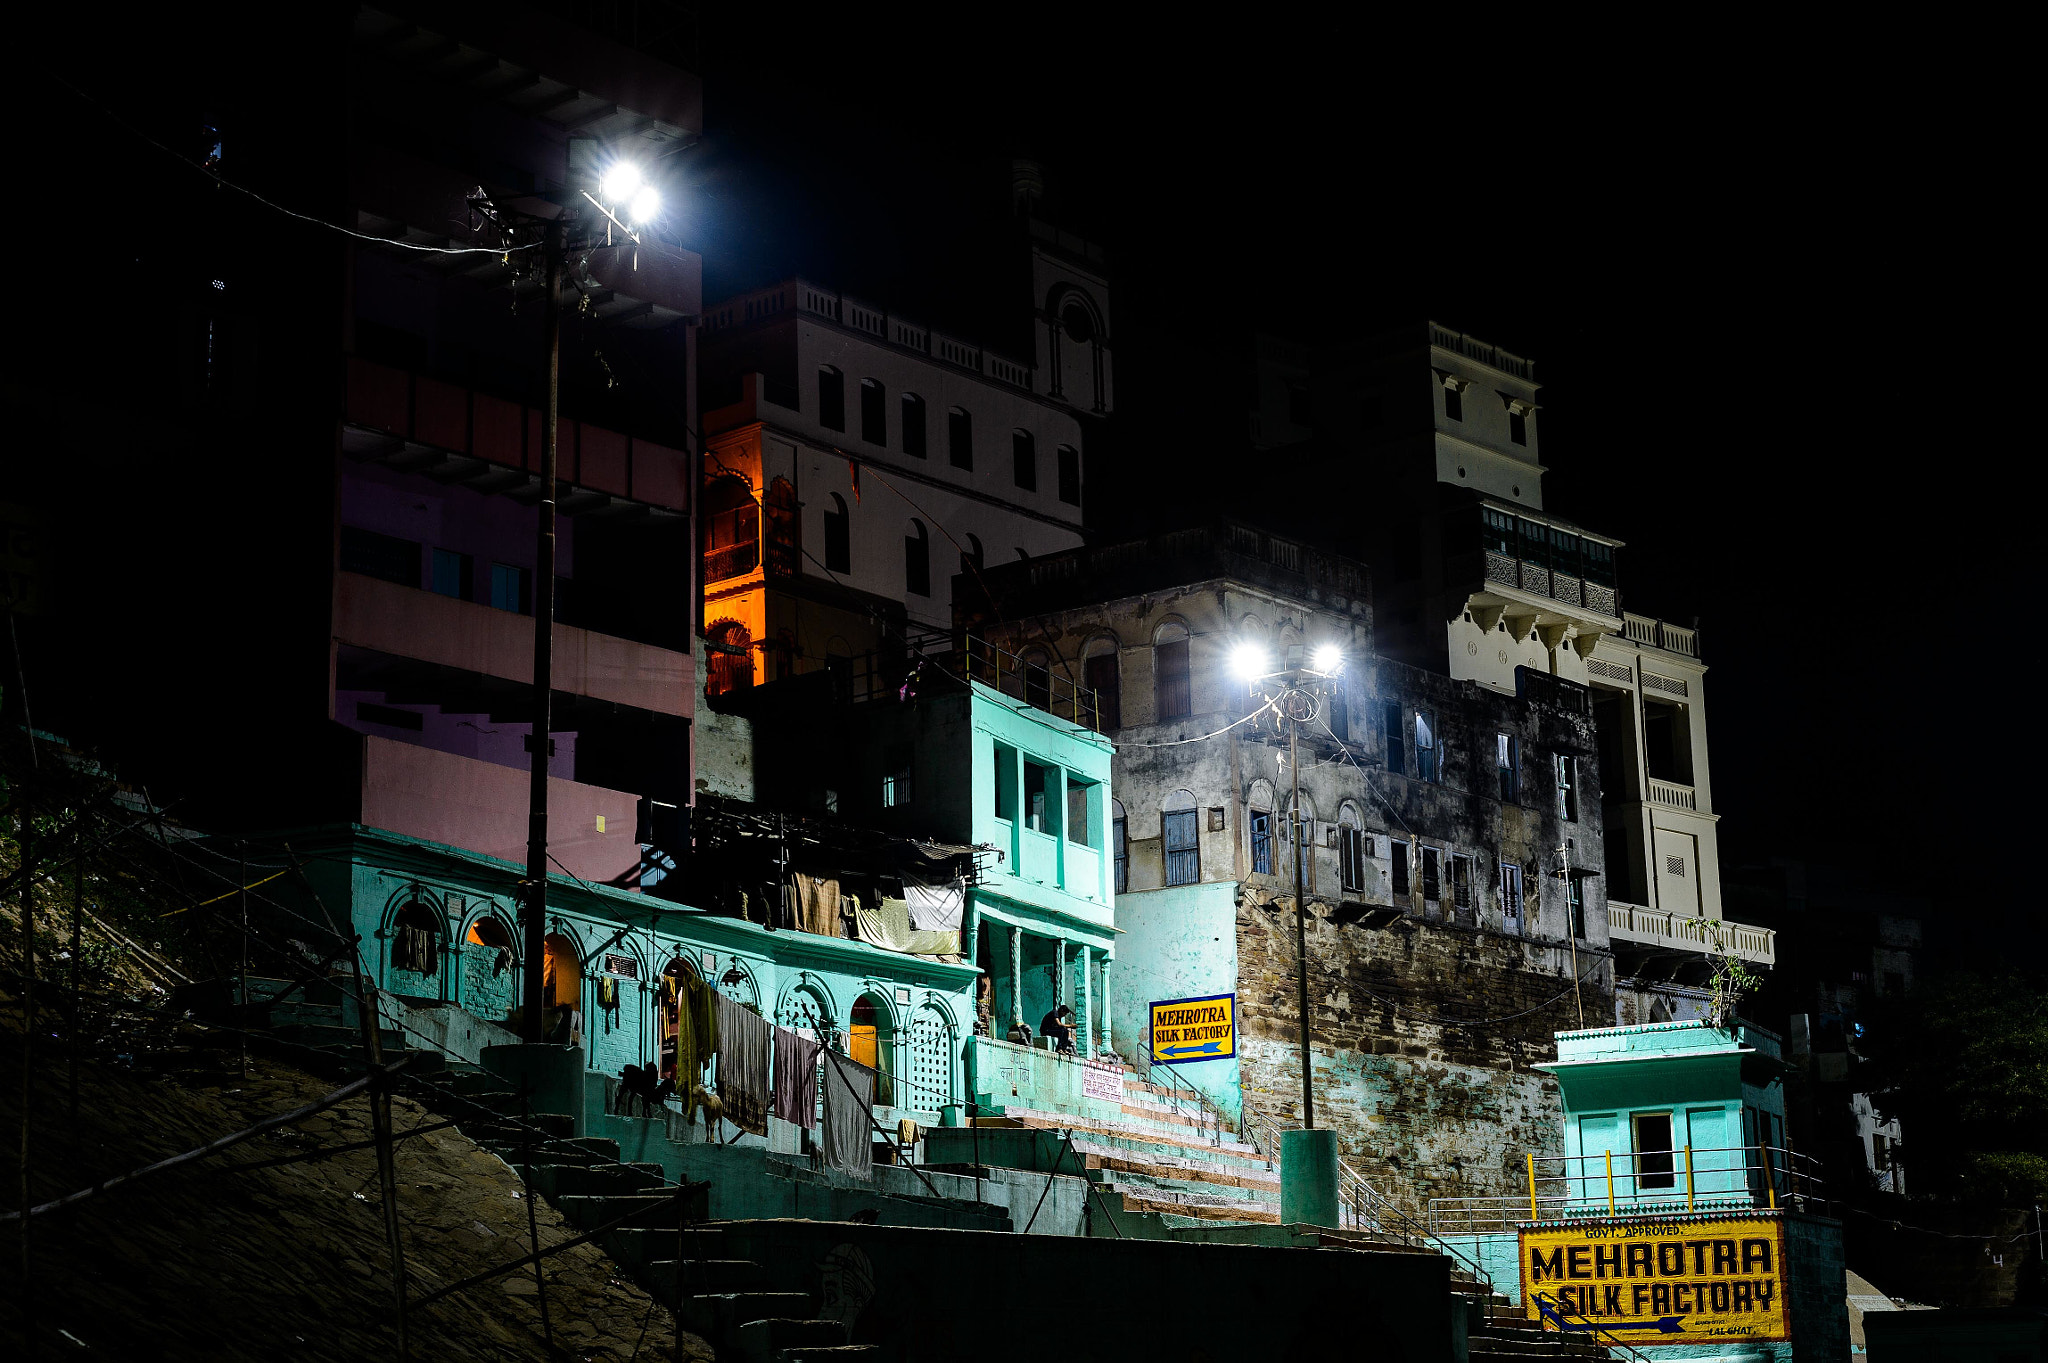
{"x": 1451, "y": 833}
{"x": 856, "y": 458}
{"x": 1475, "y": 578}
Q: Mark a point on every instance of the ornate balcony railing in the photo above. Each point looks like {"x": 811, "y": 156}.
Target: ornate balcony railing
{"x": 1712, "y": 936}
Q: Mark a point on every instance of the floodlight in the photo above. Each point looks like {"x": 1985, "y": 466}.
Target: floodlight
{"x": 1329, "y": 659}
{"x": 619, "y": 182}
{"x": 1248, "y": 662}
{"x": 646, "y": 205}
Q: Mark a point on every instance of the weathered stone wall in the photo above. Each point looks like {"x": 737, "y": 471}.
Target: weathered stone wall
{"x": 1424, "y": 1106}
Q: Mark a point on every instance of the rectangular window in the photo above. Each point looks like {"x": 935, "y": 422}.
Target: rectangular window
{"x": 1080, "y": 828}
{"x": 512, "y": 588}
{"x": 454, "y": 574}
{"x": 1100, "y": 675}
{"x": 1352, "y": 851}
{"x": 913, "y": 425}
{"x": 1174, "y": 683}
{"x": 1070, "y": 475}
{"x": 1262, "y": 842}
{"x": 1399, "y": 861}
{"x": 1432, "y": 875}
{"x": 1024, "y": 460}
{"x": 838, "y": 538}
{"x": 1337, "y": 714}
{"x": 1041, "y": 797}
{"x": 1518, "y": 427}
{"x": 1507, "y": 759}
{"x": 381, "y": 556}
{"x": 960, "y": 439}
{"x": 1120, "y": 834}
{"x": 1575, "y": 902}
{"x": 1396, "y": 740}
{"x": 1461, "y": 887}
{"x": 896, "y": 789}
{"x": 1006, "y": 782}
{"x": 1511, "y": 895}
{"x": 1426, "y": 755}
{"x": 1567, "y": 788}
{"x": 831, "y": 399}
{"x": 1454, "y": 404}
{"x": 1183, "y": 847}
{"x": 874, "y": 412}
{"x": 1655, "y": 1167}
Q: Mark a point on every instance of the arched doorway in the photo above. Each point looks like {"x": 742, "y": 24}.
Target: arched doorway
{"x": 488, "y": 977}
{"x": 669, "y": 1017}
{"x": 731, "y": 658}
{"x": 870, "y": 1041}
{"x": 931, "y": 1061}
{"x": 416, "y": 947}
{"x": 561, "y": 986}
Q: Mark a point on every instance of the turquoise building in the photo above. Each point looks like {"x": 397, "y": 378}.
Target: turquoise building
{"x": 1678, "y": 1220}
{"x": 607, "y": 951}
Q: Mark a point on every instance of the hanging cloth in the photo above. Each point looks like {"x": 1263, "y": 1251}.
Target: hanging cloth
{"x": 796, "y": 1077}
{"x": 849, "y": 1116}
{"x": 696, "y": 1019}
{"x": 888, "y": 926}
{"x": 935, "y": 908}
{"x": 817, "y": 904}
{"x": 745, "y": 1041}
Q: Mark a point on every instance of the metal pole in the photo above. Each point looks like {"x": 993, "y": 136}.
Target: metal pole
{"x": 540, "y": 1282}
{"x": 1688, "y": 1178}
{"x": 28, "y": 1042}
{"x": 1308, "y": 1092}
{"x": 1531, "y": 1157}
{"x": 1571, "y": 929}
{"x": 77, "y": 976}
{"x": 543, "y": 651}
{"x": 1610, "y": 1183}
{"x": 242, "y": 998}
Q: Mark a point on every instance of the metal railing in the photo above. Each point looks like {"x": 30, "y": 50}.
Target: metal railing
{"x": 1208, "y": 1118}
{"x": 1639, "y": 1183}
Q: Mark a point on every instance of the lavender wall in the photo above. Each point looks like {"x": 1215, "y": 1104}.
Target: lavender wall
{"x": 492, "y": 529}
{"x": 500, "y": 743}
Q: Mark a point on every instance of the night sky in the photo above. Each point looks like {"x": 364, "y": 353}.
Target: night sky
{"x": 1759, "y": 292}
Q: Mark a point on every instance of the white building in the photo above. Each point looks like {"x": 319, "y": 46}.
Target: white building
{"x": 857, "y": 460}
{"x": 1440, "y": 435}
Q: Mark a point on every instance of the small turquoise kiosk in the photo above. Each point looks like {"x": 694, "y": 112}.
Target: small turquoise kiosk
{"x": 1679, "y": 1220}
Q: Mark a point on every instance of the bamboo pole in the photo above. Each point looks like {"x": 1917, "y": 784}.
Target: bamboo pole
{"x": 1530, "y": 1156}
{"x": 1688, "y": 1178}
{"x": 1610, "y": 1183}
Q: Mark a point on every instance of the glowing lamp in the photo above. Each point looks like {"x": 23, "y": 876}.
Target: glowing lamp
{"x": 619, "y": 182}
{"x": 1329, "y": 659}
{"x": 646, "y": 205}
{"x": 1248, "y": 662}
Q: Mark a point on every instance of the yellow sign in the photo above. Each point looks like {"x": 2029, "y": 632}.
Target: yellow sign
{"x": 1659, "y": 1281}
{"x": 1188, "y": 1030}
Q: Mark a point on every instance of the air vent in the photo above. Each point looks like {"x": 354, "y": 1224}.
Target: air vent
{"x": 1675, "y": 866}
{"x": 1611, "y": 671}
{"x": 1670, "y": 686}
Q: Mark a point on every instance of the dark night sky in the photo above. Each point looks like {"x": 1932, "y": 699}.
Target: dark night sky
{"x": 1760, "y": 294}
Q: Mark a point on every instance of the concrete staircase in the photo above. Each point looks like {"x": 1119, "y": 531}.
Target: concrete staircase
{"x": 1166, "y": 1153}
{"x": 666, "y": 1244}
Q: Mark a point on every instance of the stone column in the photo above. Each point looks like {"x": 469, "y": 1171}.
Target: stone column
{"x": 1016, "y": 976}
{"x": 1087, "y": 1018}
{"x": 1105, "y": 1003}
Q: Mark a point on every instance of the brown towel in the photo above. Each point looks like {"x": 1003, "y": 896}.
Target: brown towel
{"x": 744, "y": 1042}
{"x": 817, "y": 905}
{"x": 796, "y": 1077}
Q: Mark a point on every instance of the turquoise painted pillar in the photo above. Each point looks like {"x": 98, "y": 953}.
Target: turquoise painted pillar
{"x": 1105, "y": 1003}
{"x": 1087, "y": 1018}
{"x": 1016, "y": 976}
{"x": 1308, "y": 1178}
{"x": 1062, "y": 987}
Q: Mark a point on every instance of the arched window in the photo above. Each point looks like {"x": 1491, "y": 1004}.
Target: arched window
{"x": 1352, "y": 849}
{"x": 1172, "y": 683}
{"x": 1102, "y": 674}
{"x": 731, "y": 660}
{"x": 785, "y": 527}
{"x": 917, "y": 560}
{"x": 960, "y": 438}
{"x": 1120, "y": 845}
{"x": 971, "y": 558}
{"x": 1024, "y": 459}
{"x": 838, "y": 537}
{"x": 416, "y": 940}
{"x": 1037, "y": 679}
{"x": 831, "y": 398}
{"x": 930, "y": 1071}
{"x": 1182, "y": 838}
{"x": 805, "y": 1007}
{"x": 913, "y": 425}
{"x": 874, "y": 412}
{"x": 670, "y": 1018}
{"x": 1259, "y": 820}
{"x": 489, "y": 980}
{"x": 1070, "y": 475}
{"x": 561, "y": 987}
{"x": 732, "y": 529}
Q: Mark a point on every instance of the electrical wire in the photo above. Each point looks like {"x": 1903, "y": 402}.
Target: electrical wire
{"x": 1202, "y": 738}
{"x": 274, "y": 206}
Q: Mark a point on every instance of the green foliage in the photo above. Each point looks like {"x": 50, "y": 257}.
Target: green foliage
{"x": 1963, "y": 1063}
{"x": 1733, "y": 981}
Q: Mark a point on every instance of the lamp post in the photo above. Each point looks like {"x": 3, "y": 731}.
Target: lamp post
{"x": 1295, "y": 692}
{"x": 558, "y": 234}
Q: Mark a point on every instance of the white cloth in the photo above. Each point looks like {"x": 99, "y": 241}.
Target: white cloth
{"x": 935, "y": 908}
{"x": 849, "y": 1115}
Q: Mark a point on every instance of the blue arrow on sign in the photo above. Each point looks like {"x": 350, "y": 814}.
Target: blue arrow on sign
{"x": 1663, "y": 1325}
{"x": 1206, "y": 1048}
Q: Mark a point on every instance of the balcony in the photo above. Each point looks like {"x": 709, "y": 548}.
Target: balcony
{"x": 1709, "y": 936}
{"x": 1673, "y": 796}
{"x": 1641, "y": 629}
{"x": 408, "y": 622}
{"x": 801, "y": 296}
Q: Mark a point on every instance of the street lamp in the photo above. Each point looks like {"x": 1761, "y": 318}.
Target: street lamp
{"x": 621, "y": 188}
{"x": 1295, "y": 692}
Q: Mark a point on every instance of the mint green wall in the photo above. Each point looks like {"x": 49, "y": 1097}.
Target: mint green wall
{"x": 369, "y": 875}
{"x": 1176, "y": 943}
